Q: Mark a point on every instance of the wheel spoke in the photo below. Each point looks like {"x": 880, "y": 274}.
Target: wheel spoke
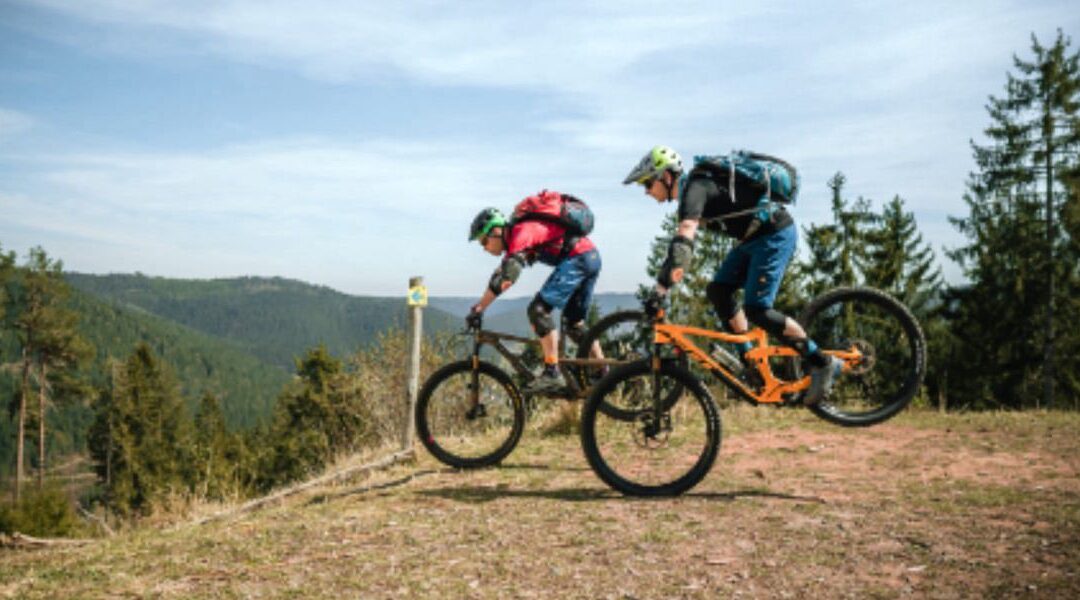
{"x": 893, "y": 349}
{"x": 642, "y": 456}
{"x": 466, "y": 426}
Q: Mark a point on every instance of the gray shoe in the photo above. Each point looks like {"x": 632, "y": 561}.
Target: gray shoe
{"x": 822, "y": 380}
{"x": 546, "y": 382}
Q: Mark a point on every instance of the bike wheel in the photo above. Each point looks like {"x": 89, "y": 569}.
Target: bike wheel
{"x": 639, "y": 457}
{"x": 624, "y": 336}
{"x": 893, "y": 349}
{"x": 460, "y": 435}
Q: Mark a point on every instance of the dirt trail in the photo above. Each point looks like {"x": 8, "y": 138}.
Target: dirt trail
{"x": 925, "y": 506}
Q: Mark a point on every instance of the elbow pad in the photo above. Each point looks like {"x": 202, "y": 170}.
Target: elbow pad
{"x": 680, "y": 253}
{"x": 506, "y": 274}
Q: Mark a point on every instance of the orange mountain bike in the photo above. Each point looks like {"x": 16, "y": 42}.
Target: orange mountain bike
{"x": 652, "y": 428}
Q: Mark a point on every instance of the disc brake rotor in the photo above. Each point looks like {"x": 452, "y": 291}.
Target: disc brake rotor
{"x": 648, "y": 434}
{"x": 867, "y": 361}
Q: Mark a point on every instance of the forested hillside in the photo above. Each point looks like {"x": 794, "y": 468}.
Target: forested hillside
{"x": 245, "y": 385}
{"x": 274, "y": 319}
{"x": 202, "y": 363}
{"x": 236, "y": 339}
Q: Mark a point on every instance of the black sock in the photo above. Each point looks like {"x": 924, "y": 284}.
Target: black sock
{"x": 811, "y": 353}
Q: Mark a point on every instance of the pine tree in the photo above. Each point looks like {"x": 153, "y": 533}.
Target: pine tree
{"x": 7, "y": 282}
{"x": 51, "y": 348}
{"x": 142, "y": 435}
{"x": 836, "y": 251}
{"x": 315, "y": 420}
{"x": 218, "y": 454}
{"x": 1020, "y": 264}
{"x": 7, "y": 273}
{"x": 61, "y": 351}
{"x": 29, "y": 304}
{"x": 898, "y": 261}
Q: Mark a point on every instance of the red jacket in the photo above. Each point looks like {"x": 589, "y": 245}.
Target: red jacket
{"x": 540, "y": 240}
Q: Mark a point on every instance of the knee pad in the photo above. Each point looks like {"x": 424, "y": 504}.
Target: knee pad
{"x": 722, "y": 296}
{"x": 539, "y": 313}
{"x": 769, "y": 319}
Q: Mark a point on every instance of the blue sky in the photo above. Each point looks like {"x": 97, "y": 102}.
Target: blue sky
{"x": 349, "y": 144}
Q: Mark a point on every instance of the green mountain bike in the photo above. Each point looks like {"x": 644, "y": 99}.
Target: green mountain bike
{"x": 471, "y": 413}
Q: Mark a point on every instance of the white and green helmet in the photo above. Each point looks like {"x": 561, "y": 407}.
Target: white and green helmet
{"x": 653, "y": 164}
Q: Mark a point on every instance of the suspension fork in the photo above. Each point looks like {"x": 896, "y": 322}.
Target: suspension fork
{"x": 660, "y": 420}
{"x": 474, "y": 376}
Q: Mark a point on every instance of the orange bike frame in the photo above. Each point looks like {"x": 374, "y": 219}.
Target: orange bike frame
{"x": 774, "y": 388}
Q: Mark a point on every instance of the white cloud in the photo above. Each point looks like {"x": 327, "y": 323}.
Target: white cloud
{"x": 13, "y": 122}
{"x": 887, "y": 93}
{"x": 351, "y": 216}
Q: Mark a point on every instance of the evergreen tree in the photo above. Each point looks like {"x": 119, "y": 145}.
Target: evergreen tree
{"x": 8, "y": 363}
{"x": 61, "y": 351}
{"x": 29, "y": 301}
{"x": 7, "y": 273}
{"x": 51, "y": 349}
{"x": 141, "y": 438}
{"x": 1020, "y": 264}
{"x": 897, "y": 260}
{"x": 836, "y": 250}
{"x": 319, "y": 417}
{"x": 218, "y": 453}
{"x": 900, "y": 263}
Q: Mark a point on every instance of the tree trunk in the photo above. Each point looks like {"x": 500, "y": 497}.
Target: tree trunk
{"x": 24, "y": 391}
{"x": 41, "y": 426}
{"x": 942, "y": 402}
{"x": 1048, "y": 334}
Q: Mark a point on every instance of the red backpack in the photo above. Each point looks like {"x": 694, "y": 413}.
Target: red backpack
{"x": 562, "y": 209}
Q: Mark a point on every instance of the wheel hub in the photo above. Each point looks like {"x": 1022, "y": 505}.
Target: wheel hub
{"x": 651, "y": 433}
{"x": 869, "y": 357}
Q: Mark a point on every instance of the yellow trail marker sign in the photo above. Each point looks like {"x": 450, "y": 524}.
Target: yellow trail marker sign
{"x": 417, "y": 296}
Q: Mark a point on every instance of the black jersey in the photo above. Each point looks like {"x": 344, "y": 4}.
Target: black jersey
{"x": 704, "y": 199}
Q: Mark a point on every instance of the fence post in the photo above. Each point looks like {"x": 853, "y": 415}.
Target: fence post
{"x": 417, "y": 300}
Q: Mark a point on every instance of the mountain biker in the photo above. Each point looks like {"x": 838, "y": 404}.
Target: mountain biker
{"x": 569, "y": 288}
{"x": 767, "y": 240}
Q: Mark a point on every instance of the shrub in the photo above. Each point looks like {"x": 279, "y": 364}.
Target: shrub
{"x": 41, "y": 513}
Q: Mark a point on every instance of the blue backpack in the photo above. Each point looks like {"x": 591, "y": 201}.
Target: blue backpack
{"x": 765, "y": 177}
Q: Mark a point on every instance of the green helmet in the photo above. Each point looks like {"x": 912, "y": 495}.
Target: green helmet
{"x": 653, "y": 164}
{"x": 485, "y": 221}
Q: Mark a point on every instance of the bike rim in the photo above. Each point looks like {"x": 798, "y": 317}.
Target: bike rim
{"x": 639, "y": 456}
{"x": 887, "y": 377}
{"x": 462, "y": 435}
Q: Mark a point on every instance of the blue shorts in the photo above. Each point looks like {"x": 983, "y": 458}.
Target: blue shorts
{"x": 570, "y": 287}
{"x": 758, "y": 266}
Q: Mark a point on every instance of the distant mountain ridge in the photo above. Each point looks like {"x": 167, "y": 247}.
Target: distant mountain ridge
{"x": 240, "y": 336}
{"x": 274, "y": 319}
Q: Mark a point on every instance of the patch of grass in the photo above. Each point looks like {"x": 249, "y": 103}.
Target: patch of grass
{"x": 1022, "y": 424}
{"x": 961, "y": 495}
{"x": 561, "y": 420}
